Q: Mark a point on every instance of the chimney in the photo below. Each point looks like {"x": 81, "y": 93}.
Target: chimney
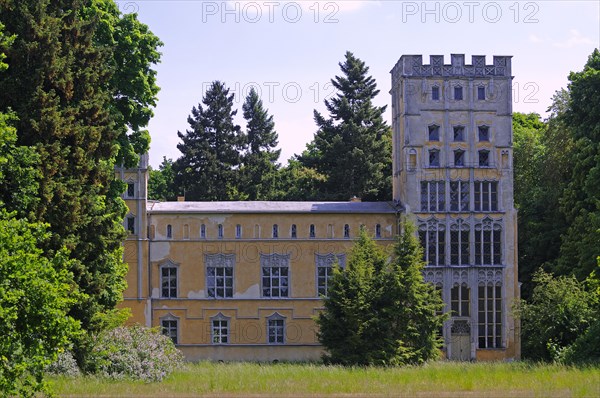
{"x": 181, "y": 198}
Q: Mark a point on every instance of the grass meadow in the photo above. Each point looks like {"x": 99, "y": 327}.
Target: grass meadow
{"x": 441, "y": 379}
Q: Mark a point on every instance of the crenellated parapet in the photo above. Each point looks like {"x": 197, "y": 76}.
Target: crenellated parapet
{"x": 412, "y": 66}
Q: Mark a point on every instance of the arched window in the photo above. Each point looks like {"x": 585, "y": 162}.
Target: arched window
{"x": 346, "y": 231}
{"x": 293, "y": 232}
{"x": 169, "y": 231}
{"x": 275, "y": 231}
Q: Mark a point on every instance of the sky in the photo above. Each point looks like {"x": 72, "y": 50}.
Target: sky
{"x": 290, "y": 50}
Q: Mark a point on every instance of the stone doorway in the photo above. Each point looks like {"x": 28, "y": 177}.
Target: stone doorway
{"x": 460, "y": 341}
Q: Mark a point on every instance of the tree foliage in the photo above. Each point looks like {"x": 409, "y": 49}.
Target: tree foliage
{"x": 559, "y": 312}
{"x": 161, "y": 182}
{"x": 352, "y": 147}
{"x": 79, "y": 79}
{"x": 581, "y": 243}
{"x": 259, "y": 163}
{"x": 381, "y": 312}
{"x": 36, "y": 293}
{"x": 211, "y": 149}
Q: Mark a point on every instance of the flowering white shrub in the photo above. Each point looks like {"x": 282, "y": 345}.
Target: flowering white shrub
{"x": 65, "y": 365}
{"x": 134, "y": 352}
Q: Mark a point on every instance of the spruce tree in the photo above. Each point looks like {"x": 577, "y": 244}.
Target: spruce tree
{"x": 352, "y": 147}
{"x": 381, "y": 312}
{"x": 260, "y": 160}
{"x": 208, "y": 167}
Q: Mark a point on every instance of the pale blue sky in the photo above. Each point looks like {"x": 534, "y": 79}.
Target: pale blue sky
{"x": 291, "y": 50}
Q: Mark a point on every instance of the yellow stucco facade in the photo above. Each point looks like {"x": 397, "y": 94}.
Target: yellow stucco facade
{"x": 244, "y": 280}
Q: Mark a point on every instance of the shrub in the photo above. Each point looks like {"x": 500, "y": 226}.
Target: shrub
{"x": 65, "y": 365}
{"x": 586, "y": 349}
{"x": 133, "y": 352}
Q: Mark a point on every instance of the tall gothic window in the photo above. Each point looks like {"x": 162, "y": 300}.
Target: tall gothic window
{"x": 168, "y": 281}
{"x": 433, "y": 196}
{"x": 459, "y": 196}
{"x": 488, "y": 243}
{"x": 459, "y": 243}
{"x": 459, "y": 300}
{"x": 433, "y": 240}
{"x": 490, "y": 315}
{"x": 325, "y": 263}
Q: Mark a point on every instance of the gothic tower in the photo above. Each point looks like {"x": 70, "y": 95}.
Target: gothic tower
{"x": 453, "y": 175}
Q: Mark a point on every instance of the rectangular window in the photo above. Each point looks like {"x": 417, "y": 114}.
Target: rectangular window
{"x": 459, "y": 196}
{"x": 459, "y": 133}
{"x": 481, "y": 93}
{"x": 131, "y": 224}
{"x": 490, "y": 316}
{"x": 275, "y": 231}
{"x": 220, "y": 331}
{"x": 484, "y": 133}
{"x": 168, "y": 282}
{"x": 346, "y": 231}
{"x": 459, "y": 158}
{"x": 276, "y": 331}
{"x": 219, "y": 275}
{"x": 293, "y": 232}
{"x": 275, "y": 275}
{"x": 203, "y": 231}
{"x": 459, "y": 245}
{"x": 458, "y": 93}
{"x": 486, "y": 196}
{"x": 459, "y": 301}
{"x": 169, "y": 329}
{"x": 435, "y": 93}
{"x": 130, "y": 189}
{"x": 325, "y": 265}
{"x": 434, "y": 133}
{"x": 311, "y": 231}
{"x": 238, "y": 231}
{"x": 434, "y": 158}
{"x": 169, "y": 231}
{"x": 484, "y": 158}
{"x": 433, "y": 196}
{"x": 378, "y": 231}
{"x": 220, "y": 231}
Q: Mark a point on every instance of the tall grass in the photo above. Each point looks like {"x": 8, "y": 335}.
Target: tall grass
{"x": 442, "y": 379}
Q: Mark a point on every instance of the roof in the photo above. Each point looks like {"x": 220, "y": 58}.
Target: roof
{"x": 271, "y": 207}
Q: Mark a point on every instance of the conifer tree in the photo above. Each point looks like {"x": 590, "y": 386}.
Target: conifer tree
{"x": 69, "y": 108}
{"x": 380, "y": 312}
{"x": 260, "y": 160}
{"x": 352, "y": 147}
{"x": 208, "y": 167}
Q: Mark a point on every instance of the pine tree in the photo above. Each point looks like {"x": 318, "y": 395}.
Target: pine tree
{"x": 352, "y": 147}
{"x": 260, "y": 160}
{"x": 380, "y": 312}
{"x": 208, "y": 167}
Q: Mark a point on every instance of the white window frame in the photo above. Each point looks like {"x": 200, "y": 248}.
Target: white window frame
{"x": 217, "y": 337}
{"x": 275, "y": 267}
{"x": 324, "y": 264}
{"x": 487, "y": 196}
{"x": 215, "y": 264}
{"x": 276, "y": 329}
{"x": 456, "y": 305}
{"x": 169, "y": 330}
{"x": 169, "y": 278}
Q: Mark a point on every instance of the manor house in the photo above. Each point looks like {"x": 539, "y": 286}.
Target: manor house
{"x": 244, "y": 280}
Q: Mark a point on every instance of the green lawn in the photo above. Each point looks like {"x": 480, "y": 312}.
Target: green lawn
{"x": 442, "y": 379}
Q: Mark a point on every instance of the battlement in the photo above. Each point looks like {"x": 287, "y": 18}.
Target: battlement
{"x": 412, "y": 65}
